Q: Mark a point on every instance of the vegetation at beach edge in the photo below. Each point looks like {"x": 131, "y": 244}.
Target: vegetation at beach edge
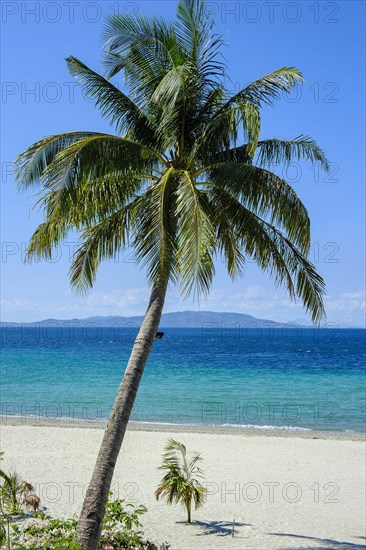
{"x": 22, "y": 526}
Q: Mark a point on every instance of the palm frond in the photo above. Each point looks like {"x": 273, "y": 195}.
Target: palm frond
{"x": 277, "y": 151}
{"x": 222, "y": 131}
{"x": 45, "y": 238}
{"x": 241, "y": 154}
{"x": 268, "y": 88}
{"x": 105, "y": 240}
{"x": 32, "y": 163}
{"x": 144, "y": 49}
{"x": 268, "y": 195}
{"x": 76, "y": 163}
{"x": 211, "y": 104}
{"x": 172, "y": 447}
{"x": 228, "y": 243}
{"x": 196, "y": 238}
{"x": 79, "y": 207}
{"x": 122, "y": 112}
{"x": 275, "y": 253}
{"x": 168, "y": 89}
{"x": 194, "y": 34}
{"x": 123, "y": 33}
{"x": 154, "y": 236}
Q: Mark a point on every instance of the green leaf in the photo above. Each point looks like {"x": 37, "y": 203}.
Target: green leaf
{"x": 196, "y": 238}
{"x": 268, "y": 88}
{"x": 276, "y": 151}
{"x": 100, "y": 242}
{"x": 267, "y": 195}
{"x": 155, "y": 226}
{"x": 122, "y": 112}
{"x": 31, "y": 165}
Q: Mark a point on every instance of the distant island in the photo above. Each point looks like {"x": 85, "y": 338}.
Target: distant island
{"x": 178, "y": 319}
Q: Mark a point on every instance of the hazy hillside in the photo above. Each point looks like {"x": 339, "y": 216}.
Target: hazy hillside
{"x": 183, "y": 319}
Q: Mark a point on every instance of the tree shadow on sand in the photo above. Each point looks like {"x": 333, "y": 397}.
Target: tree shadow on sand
{"x": 218, "y": 528}
{"x": 21, "y": 517}
{"x": 27, "y": 514}
{"x": 326, "y": 544}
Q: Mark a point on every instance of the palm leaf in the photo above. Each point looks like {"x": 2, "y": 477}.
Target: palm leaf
{"x": 275, "y": 253}
{"x": 114, "y": 105}
{"x": 196, "y": 238}
{"x": 154, "y": 236}
{"x": 276, "y": 151}
{"x": 268, "y": 88}
{"x": 222, "y": 130}
{"x": 194, "y": 34}
{"x": 102, "y": 241}
{"x": 76, "y": 163}
{"x": 145, "y": 50}
{"x": 268, "y": 195}
{"x": 32, "y": 163}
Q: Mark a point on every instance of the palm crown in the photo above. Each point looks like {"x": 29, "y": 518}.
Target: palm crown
{"x": 183, "y": 179}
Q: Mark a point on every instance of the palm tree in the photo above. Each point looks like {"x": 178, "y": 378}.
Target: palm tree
{"x": 180, "y": 483}
{"x": 11, "y": 491}
{"x": 183, "y": 181}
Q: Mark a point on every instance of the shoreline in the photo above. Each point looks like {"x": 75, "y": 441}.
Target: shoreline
{"x": 217, "y": 429}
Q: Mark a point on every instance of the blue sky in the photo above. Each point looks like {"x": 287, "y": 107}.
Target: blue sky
{"x": 325, "y": 40}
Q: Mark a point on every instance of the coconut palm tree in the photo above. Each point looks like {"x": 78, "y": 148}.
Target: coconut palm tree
{"x": 184, "y": 180}
{"x": 181, "y": 483}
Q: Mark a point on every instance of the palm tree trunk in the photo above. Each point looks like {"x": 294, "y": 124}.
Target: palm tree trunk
{"x": 90, "y": 520}
{"x": 188, "y": 506}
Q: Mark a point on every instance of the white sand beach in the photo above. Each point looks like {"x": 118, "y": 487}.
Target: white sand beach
{"x": 284, "y": 492}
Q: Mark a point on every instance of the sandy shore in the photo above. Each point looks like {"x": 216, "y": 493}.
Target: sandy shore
{"x": 285, "y": 490}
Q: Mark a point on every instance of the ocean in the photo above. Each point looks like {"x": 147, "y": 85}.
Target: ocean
{"x": 288, "y": 378}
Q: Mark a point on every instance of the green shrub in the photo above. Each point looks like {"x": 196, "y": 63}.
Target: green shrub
{"x": 121, "y": 527}
{"x": 121, "y": 530}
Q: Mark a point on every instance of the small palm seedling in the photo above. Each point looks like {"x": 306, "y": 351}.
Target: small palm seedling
{"x": 14, "y": 492}
{"x": 180, "y": 483}
{"x": 11, "y": 491}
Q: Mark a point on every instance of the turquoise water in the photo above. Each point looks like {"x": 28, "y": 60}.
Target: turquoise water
{"x": 293, "y": 378}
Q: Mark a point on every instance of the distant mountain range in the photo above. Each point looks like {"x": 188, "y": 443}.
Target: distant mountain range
{"x": 178, "y": 319}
